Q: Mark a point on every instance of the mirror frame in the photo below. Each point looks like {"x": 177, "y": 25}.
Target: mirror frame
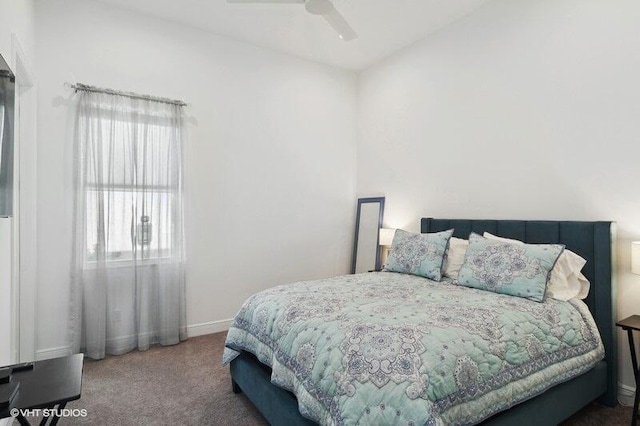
{"x": 361, "y": 201}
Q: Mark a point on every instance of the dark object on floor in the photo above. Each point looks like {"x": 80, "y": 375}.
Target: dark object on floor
{"x": 5, "y": 375}
{"x": 48, "y": 384}
{"x": 23, "y": 367}
{"x": 8, "y": 393}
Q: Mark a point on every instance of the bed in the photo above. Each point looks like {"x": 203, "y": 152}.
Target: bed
{"x": 592, "y": 379}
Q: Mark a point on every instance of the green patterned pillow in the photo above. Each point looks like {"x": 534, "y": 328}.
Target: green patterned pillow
{"x": 516, "y": 269}
{"x": 418, "y": 254}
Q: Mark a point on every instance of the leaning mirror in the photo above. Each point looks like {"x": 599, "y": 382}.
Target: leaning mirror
{"x": 366, "y": 251}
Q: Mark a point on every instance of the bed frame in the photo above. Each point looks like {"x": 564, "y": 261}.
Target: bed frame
{"x": 594, "y": 241}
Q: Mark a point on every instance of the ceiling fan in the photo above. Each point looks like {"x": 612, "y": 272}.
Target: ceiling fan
{"x": 323, "y": 8}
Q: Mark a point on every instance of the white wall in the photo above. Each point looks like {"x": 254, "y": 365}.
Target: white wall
{"x": 16, "y": 18}
{"x": 270, "y": 163}
{"x": 523, "y": 110}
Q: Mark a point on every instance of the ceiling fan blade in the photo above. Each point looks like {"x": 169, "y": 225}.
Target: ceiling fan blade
{"x": 338, "y": 23}
{"x": 266, "y": 1}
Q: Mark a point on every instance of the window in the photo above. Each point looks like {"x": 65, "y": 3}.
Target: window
{"x": 131, "y": 185}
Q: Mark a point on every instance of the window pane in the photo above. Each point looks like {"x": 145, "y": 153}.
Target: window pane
{"x": 127, "y": 215}
{"x": 131, "y": 153}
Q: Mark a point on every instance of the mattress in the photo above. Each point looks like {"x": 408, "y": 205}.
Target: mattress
{"x": 387, "y": 348}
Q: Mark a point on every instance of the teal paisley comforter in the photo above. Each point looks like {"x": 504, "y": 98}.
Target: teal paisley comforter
{"x": 388, "y": 348}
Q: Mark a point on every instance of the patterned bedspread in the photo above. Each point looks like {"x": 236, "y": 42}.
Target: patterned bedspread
{"x": 387, "y": 348}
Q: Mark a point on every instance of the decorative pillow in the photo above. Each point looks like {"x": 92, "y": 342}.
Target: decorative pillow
{"x": 418, "y": 254}
{"x": 454, "y": 257}
{"x": 566, "y": 282}
{"x": 516, "y": 269}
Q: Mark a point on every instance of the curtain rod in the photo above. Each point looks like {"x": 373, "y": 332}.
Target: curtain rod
{"x": 87, "y": 88}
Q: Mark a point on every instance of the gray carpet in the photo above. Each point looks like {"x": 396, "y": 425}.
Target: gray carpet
{"x": 187, "y": 385}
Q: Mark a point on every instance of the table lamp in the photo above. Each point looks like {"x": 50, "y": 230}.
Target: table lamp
{"x": 385, "y": 240}
{"x": 386, "y": 236}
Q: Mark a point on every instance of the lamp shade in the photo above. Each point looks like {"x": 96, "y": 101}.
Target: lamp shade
{"x": 386, "y": 236}
{"x": 635, "y": 257}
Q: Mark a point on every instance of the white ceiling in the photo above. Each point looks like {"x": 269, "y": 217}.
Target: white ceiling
{"x": 383, "y": 26}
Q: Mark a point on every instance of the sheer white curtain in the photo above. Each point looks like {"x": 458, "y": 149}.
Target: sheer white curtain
{"x": 128, "y": 264}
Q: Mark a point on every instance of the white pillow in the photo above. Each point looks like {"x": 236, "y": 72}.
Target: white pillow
{"x": 566, "y": 282}
{"x": 455, "y": 257}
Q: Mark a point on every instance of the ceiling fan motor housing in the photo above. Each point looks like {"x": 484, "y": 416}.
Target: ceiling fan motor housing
{"x": 318, "y": 7}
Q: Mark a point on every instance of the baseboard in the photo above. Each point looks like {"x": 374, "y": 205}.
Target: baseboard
{"x": 52, "y": 353}
{"x": 626, "y": 394}
{"x": 209, "y": 327}
{"x": 192, "y": 331}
